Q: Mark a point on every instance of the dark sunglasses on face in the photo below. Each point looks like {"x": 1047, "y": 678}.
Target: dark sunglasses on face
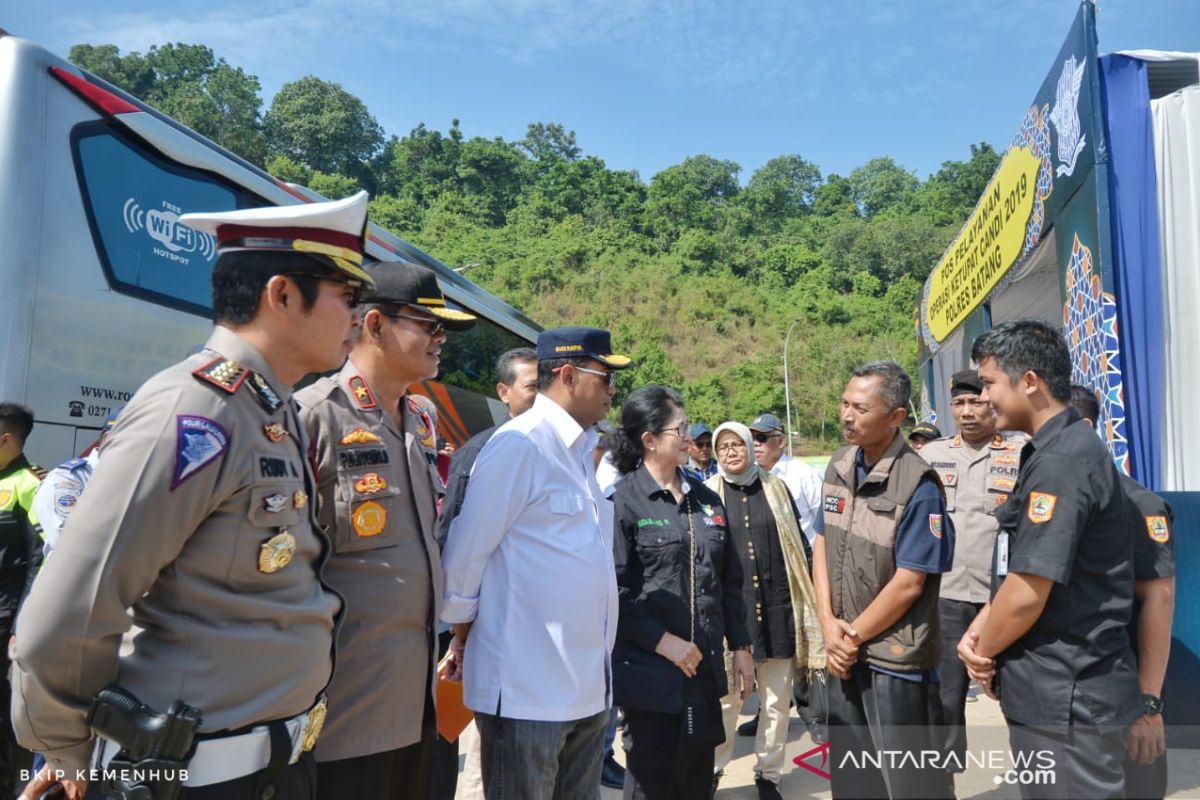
{"x": 763, "y": 438}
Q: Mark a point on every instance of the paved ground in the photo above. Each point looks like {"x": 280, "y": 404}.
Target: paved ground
{"x": 986, "y": 731}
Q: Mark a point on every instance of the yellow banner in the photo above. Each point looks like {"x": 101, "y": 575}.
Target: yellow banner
{"x": 988, "y": 245}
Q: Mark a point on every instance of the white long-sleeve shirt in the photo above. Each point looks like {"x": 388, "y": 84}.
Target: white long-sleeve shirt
{"x": 530, "y": 560}
{"x": 805, "y": 483}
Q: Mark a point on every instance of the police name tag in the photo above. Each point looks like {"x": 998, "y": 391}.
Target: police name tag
{"x": 1001, "y": 554}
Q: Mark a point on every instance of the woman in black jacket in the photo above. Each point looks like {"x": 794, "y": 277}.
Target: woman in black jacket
{"x": 680, "y": 589}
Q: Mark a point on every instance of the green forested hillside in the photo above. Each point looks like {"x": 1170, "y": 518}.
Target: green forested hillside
{"x": 700, "y": 271}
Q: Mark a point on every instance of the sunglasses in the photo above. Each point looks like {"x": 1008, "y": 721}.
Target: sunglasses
{"x": 763, "y": 438}
{"x": 609, "y": 375}
{"x": 431, "y": 326}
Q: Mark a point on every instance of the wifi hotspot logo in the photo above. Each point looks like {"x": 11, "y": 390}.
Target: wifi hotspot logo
{"x": 163, "y": 226}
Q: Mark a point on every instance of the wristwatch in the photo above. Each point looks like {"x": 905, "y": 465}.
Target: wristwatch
{"x": 1151, "y": 705}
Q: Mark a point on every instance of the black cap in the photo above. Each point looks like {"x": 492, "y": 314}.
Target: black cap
{"x": 927, "y": 430}
{"x": 965, "y": 382}
{"x": 576, "y": 342}
{"x": 405, "y": 284}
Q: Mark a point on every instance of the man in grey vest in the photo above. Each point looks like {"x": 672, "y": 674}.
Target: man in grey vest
{"x": 978, "y": 468}
{"x": 376, "y": 463}
{"x": 883, "y": 542}
{"x": 198, "y": 527}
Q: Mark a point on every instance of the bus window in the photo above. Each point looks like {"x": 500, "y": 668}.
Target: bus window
{"x": 469, "y": 357}
{"x": 134, "y": 198}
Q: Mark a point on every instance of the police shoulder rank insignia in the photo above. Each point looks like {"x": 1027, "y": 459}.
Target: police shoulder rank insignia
{"x": 1158, "y": 529}
{"x": 223, "y": 372}
{"x": 198, "y": 442}
{"x": 935, "y": 525}
{"x": 75, "y": 463}
{"x": 369, "y": 519}
{"x": 359, "y": 436}
{"x": 275, "y": 432}
{"x": 957, "y": 440}
{"x": 835, "y": 504}
{"x": 362, "y": 392}
{"x": 276, "y": 552}
{"x": 1041, "y": 507}
{"x": 299, "y": 499}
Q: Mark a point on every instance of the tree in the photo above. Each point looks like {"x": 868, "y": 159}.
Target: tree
{"x": 549, "y": 141}
{"x": 952, "y": 192}
{"x": 881, "y": 184}
{"x": 785, "y": 186}
{"x": 190, "y": 84}
{"x": 322, "y": 126}
{"x": 688, "y": 194}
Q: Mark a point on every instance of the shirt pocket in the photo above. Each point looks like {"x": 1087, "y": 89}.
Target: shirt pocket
{"x": 366, "y": 500}
{"x": 572, "y": 522}
{"x": 949, "y": 479}
{"x": 269, "y": 538}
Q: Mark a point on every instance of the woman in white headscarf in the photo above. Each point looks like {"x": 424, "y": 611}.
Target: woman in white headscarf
{"x": 781, "y": 608}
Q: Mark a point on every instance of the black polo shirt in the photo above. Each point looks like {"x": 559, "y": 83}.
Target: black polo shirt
{"x": 651, "y": 551}
{"x": 1067, "y": 519}
{"x": 1153, "y": 524}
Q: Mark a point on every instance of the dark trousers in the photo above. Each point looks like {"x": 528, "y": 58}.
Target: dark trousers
{"x": 16, "y": 763}
{"x": 401, "y": 774}
{"x": 874, "y": 720}
{"x": 290, "y": 782}
{"x": 652, "y": 759}
{"x": 534, "y": 760}
{"x": 1084, "y": 760}
{"x": 443, "y": 773}
{"x": 1146, "y": 781}
{"x": 812, "y": 703}
{"x": 957, "y": 616}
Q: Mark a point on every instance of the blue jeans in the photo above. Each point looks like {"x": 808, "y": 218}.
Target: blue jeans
{"x": 532, "y": 760}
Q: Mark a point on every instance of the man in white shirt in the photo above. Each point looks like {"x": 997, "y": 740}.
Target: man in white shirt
{"x": 802, "y": 481}
{"x": 530, "y": 583}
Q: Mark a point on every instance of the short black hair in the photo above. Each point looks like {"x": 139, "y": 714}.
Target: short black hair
{"x": 1028, "y": 345}
{"x": 239, "y": 278}
{"x": 548, "y": 369}
{"x": 1084, "y": 401}
{"x": 16, "y": 419}
{"x": 895, "y": 387}
{"x": 646, "y": 410}
{"x": 506, "y": 365}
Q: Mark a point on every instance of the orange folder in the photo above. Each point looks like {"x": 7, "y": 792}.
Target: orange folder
{"x": 452, "y": 716}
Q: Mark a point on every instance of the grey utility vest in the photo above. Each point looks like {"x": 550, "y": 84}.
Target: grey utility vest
{"x": 860, "y": 552}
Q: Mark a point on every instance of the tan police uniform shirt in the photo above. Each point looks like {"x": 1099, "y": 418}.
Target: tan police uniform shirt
{"x": 379, "y": 487}
{"x": 198, "y": 521}
{"x": 977, "y": 479}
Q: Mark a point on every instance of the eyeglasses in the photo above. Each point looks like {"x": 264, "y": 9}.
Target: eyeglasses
{"x": 356, "y": 287}
{"x": 431, "y": 326}
{"x": 609, "y": 375}
{"x": 729, "y": 447}
{"x": 763, "y": 438}
{"x": 680, "y": 430}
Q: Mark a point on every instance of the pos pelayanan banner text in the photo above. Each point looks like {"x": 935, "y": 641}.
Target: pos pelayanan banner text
{"x": 988, "y": 245}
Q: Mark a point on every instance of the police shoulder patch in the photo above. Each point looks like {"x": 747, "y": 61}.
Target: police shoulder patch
{"x": 1158, "y": 529}
{"x": 1041, "y": 507}
{"x": 362, "y": 392}
{"x": 74, "y": 464}
{"x": 223, "y": 373}
{"x": 199, "y": 441}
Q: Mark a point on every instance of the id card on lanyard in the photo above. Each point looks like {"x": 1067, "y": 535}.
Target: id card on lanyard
{"x": 1001, "y": 554}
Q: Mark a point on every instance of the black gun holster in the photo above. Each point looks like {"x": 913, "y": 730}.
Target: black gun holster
{"x": 155, "y": 748}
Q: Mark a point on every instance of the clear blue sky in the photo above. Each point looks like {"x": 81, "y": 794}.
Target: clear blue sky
{"x": 646, "y": 83}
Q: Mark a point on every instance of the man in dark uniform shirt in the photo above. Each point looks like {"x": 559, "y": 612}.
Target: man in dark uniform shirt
{"x": 1152, "y": 521}
{"x": 1052, "y": 642}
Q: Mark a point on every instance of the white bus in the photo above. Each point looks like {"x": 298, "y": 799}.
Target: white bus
{"x": 100, "y": 288}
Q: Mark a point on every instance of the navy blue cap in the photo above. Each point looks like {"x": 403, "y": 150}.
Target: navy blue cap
{"x": 927, "y": 430}
{"x": 767, "y": 423}
{"x": 965, "y": 381}
{"x": 575, "y": 342}
{"x": 699, "y": 429}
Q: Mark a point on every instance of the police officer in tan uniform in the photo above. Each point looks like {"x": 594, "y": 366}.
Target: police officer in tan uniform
{"x": 375, "y": 455}
{"x": 978, "y": 468}
{"x": 199, "y": 528}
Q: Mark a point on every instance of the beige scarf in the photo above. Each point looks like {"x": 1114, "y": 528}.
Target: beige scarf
{"x": 810, "y": 642}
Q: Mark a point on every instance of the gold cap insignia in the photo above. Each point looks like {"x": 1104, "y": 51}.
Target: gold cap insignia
{"x": 276, "y": 552}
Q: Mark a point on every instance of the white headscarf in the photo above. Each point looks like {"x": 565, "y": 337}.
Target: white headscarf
{"x": 748, "y": 475}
